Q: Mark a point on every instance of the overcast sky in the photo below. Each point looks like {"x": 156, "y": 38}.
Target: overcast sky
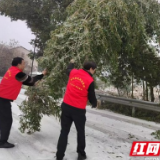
{"x": 15, "y": 30}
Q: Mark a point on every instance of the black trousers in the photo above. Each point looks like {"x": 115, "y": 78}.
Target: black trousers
{"x": 5, "y": 120}
{"x": 71, "y": 114}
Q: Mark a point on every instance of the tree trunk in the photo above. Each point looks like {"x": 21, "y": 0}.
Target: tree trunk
{"x": 146, "y": 91}
{"x": 132, "y": 86}
{"x": 152, "y": 93}
{"x": 144, "y": 94}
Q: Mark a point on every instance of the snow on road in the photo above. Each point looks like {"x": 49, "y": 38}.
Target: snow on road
{"x": 109, "y": 136}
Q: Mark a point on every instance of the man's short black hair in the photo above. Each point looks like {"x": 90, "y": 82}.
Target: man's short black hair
{"x": 89, "y": 64}
{"x": 16, "y": 61}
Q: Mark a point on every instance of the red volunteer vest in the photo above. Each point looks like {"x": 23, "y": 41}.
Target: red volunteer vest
{"x": 9, "y": 86}
{"x": 76, "y": 94}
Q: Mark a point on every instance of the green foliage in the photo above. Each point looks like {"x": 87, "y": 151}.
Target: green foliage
{"x": 39, "y": 103}
{"x": 113, "y": 33}
{"x": 156, "y": 134}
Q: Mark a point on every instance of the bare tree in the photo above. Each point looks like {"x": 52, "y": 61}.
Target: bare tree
{"x": 11, "y": 50}
{"x": 6, "y": 57}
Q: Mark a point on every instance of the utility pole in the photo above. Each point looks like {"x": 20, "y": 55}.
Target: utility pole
{"x": 33, "y": 57}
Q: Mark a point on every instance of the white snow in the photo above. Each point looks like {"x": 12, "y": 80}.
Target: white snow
{"x": 108, "y": 137}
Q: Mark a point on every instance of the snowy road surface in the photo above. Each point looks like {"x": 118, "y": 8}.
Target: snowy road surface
{"x": 109, "y": 136}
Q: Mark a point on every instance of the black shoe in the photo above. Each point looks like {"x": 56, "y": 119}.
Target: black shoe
{"x": 81, "y": 157}
{"x": 59, "y": 158}
{"x": 6, "y": 145}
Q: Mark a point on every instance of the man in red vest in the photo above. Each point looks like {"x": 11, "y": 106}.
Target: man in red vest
{"x": 10, "y": 87}
{"x": 80, "y": 89}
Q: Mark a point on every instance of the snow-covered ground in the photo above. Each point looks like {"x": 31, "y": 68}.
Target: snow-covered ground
{"x": 109, "y": 136}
